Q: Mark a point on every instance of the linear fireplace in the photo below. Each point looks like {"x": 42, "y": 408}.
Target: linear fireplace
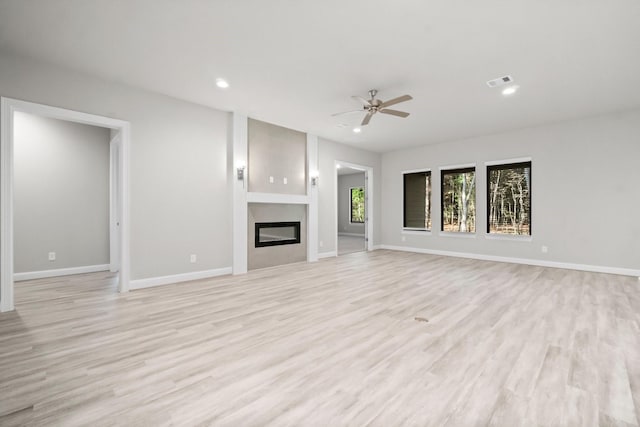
{"x": 277, "y": 233}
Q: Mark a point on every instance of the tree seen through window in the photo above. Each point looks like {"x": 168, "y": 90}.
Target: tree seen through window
{"x": 357, "y": 205}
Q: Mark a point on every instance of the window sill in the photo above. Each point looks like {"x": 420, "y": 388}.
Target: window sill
{"x": 416, "y": 231}
{"x": 457, "y": 234}
{"x": 511, "y": 237}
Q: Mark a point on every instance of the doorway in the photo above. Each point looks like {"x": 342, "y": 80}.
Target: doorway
{"x": 119, "y": 188}
{"x": 353, "y": 208}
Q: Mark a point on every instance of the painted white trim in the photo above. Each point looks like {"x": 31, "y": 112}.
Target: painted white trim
{"x": 340, "y": 233}
{"x": 331, "y": 254}
{"x": 312, "y": 192}
{"x": 377, "y": 247}
{"x": 114, "y": 209}
{"x": 511, "y": 237}
{"x": 8, "y": 107}
{"x": 369, "y": 194}
{"x": 415, "y": 171}
{"x": 416, "y": 231}
{"x": 465, "y": 235}
{"x": 179, "y": 278}
{"x": 294, "y": 199}
{"x": 452, "y": 167}
{"x": 526, "y": 261}
{"x": 239, "y": 155}
{"x": 17, "y": 277}
{"x": 507, "y": 161}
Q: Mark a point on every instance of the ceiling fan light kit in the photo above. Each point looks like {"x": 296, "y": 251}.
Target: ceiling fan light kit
{"x": 373, "y": 105}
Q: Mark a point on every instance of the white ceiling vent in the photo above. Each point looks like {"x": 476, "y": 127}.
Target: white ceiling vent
{"x": 500, "y": 81}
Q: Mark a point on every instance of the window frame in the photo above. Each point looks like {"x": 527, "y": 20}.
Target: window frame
{"x": 457, "y": 170}
{"x": 504, "y": 165}
{"x": 364, "y": 205}
{"x": 404, "y": 201}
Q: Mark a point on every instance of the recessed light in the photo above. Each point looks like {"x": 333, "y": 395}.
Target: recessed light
{"x": 357, "y": 130}
{"x": 222, "y": 83}
{"x": 510, "y": 90}
{"x": 338, "y": 166}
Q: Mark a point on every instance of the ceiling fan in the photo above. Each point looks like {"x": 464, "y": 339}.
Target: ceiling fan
{"x": 373, "y": 105}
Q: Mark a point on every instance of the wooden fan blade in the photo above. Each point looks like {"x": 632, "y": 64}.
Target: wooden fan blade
{"x": 361, "y": 100}
{"x": 347, "y": 112}
{"x": 397, "y": 100}
{"x": 366, "y": 119}
{"x": 394, "y": 113}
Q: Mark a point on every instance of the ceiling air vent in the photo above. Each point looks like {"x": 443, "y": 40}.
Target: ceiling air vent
{"x": 500, "y": 81}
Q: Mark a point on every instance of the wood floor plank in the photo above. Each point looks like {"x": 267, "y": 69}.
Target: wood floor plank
{"x": 329, "y": 343}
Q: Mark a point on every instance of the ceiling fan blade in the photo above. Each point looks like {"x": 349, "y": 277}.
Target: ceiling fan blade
{"x": 394, "y": 113}
{"x": 366, "y": 119}
{"x": 347, "y": 112}
{"x": 360, "y": 99}
{"x": 397, "y": 100}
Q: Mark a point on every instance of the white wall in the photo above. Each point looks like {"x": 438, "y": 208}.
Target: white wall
{"x": 328, "y": 153}
{"x": 585, "y": 197}
{"x": 345, "y": 183}
{"x": 180, "y": 200}
{"x": 61, "y": 194}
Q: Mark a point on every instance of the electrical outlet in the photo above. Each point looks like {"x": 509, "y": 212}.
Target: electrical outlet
{"x": 193, "y": 259}
{"x": 544, "y": 249}
{"x": 270, "y": 180}
{"x": 284, "y": 180}
{"x": 322, "y": 244}
{"x": 404, "y": 238}
{"x": 52, "y": 256}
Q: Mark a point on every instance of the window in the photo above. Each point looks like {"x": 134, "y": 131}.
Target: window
{"x": 458, "y": 200}
{"x": 417, "y": 200}
{"x": 357, "y": 205}
{"x": 509, "y": 199}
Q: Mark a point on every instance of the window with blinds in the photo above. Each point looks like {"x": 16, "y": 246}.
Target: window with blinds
{"x": 417, "y": 200}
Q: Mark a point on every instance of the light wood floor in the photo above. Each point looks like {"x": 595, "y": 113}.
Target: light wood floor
{"x": 350, "y": 244}
{"x": 330, "y": 343}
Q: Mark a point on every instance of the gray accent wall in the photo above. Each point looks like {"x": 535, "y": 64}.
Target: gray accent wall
{"x": 345, "y": 183}
{"x": 180, "y": 200}
{"x": 269, "y": 256}
{"x": 277, "y": 152}
{"x": 585, "y": 200}
{"x": 61, "y": 194}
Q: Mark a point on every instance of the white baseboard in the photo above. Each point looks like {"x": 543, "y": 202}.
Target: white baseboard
{"x": 376, "y": 247}
{"x": 177, "y": 278}
{"x": 536, "y": 262}
{"x": 30, "y": 275}
{"x": 327, "y": 254}
{"x": 351, "y": 234}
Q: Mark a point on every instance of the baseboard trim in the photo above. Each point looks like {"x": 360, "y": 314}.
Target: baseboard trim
{"x": 536, "y": 262}
{"x": 30, "y": 275}
{"x": 376, "y": 247}
{"x": 327, "y": 254}
{"x": 351, "y": 234}
{"x": 178, "y": 278}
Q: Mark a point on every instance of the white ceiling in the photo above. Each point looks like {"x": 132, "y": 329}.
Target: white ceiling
{"x": 294, "y": 63}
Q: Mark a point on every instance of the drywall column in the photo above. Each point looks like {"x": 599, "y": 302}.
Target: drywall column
{"x": 312, "y": 191}
{"x": 6, "y": 207}
{"x": 239, "y": 140}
